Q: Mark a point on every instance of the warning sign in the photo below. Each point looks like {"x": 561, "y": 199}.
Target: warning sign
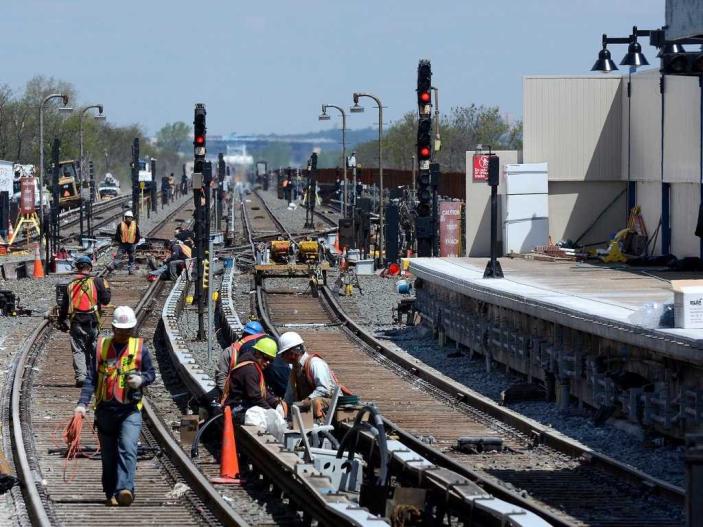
{"x": 480, "y": 172}
{"x": 450, "y": 228}
{"x": 27, "y": 195}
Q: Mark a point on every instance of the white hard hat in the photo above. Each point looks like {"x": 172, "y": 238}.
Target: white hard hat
{"x": 128, "y": 214}
{"x": 288, "y": 340}
{"x": 124, "y": 318}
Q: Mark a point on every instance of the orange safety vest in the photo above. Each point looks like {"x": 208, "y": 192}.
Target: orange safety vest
{"x": 113, "y": 370}
{"x": 82, "y": 295}
{"x": 187, "y": 251}
{"x": 234, "y": 354}
{"x": 128, "y": 233}
{"x": 262, "y": 382}
{"x": 307, "y": 372}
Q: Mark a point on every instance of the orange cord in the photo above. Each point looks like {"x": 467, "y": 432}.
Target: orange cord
{"x": 72, "y": 438}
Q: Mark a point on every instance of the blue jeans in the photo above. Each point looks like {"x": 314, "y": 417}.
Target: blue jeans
{"x": 119, "y": 436}
{"x": 128, "y": 249}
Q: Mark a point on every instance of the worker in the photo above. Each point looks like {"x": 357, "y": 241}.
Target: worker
{"x": 127, "y": 235}
{"x": 311, "y": 382}
{"x": 180, "y": 252}
{"x": 247, "y": 386}
{"x": 251, "y": 333}
{"x": 123, "y": 367}
{"x": 79, "y": 312}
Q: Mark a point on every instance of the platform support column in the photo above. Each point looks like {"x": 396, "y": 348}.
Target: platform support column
{"x": 694, "y": 479}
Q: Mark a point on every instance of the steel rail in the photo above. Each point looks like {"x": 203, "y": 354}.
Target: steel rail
{"x": 542, "y": 434}
{"x": 34, "y": 503}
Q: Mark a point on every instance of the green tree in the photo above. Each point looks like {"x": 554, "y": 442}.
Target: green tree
{"x": 174, "y": 137}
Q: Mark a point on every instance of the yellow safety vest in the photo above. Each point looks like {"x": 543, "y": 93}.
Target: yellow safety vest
{"x": 113, "y": 370}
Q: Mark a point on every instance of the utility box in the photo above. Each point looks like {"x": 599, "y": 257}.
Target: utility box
{"x": 688, "y": 303}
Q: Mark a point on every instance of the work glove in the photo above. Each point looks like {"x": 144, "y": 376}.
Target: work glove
{"x": 79, "y": 410}
{"x": 134, "y": 381}
{"x": 303, "y": 405}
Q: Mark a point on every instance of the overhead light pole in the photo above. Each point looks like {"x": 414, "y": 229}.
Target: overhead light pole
{"x": 64, "y": 109}
{"x": 81, "y": 160}
{"x": 324, "y": 117}
{"x": 100, "y": 116}
{"x": 358, "y": 109}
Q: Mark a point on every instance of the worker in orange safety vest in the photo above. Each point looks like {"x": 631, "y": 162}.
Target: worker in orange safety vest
{"x": 127, "y": 236}
{"x": 79, "y": 313}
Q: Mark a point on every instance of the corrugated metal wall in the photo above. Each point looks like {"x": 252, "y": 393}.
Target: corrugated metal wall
{"x": 574, "y": 123}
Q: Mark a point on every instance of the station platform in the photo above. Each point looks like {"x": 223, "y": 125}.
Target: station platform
{"x": 594, "y": 299}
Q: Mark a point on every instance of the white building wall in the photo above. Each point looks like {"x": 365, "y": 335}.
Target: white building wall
{"x": 682, "y": 128}
{"x": 575, "y": 124}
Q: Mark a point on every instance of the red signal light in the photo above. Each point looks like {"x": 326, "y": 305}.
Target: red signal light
{"x": 199, "y": 139}
{"x": 424, "y": 152}
{"x": 425, "y": 97}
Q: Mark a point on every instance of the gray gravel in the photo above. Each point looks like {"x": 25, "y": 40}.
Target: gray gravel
{"x": 373, "y": 310}
{"x": 294, "y": 220}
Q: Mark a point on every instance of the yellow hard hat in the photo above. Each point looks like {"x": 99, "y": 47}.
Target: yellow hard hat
{"x": 267, "y": 346}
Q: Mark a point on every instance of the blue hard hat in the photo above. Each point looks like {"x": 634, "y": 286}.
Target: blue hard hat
{"x": 253, "y": 327}
{"x": 83, "y": 260}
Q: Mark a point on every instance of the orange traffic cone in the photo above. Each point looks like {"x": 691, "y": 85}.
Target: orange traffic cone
{"x": 343, "y": 261}
{"x": 10, "y": 232}
{"x": 229, "y": 463}
{"x": 38, "y": 266}
{"x": 337, "y": 248}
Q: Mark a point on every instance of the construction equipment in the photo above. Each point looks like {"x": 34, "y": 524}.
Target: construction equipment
{"x": 69, "y": 187}
{"x": 308, "y": 252}
{"x": 280, "y": 249}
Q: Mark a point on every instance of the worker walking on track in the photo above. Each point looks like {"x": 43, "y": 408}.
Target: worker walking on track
{"x": 126, "y": 236}
{"x": 312, "y": 382}
{"x": 246, "y": 386}
{"x": 123, "y": 367}
{"x": 81, "y": 307}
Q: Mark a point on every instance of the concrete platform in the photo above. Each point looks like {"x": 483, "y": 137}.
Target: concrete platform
{"x": 583, "y": 296}
{"x": 565, "y": 325}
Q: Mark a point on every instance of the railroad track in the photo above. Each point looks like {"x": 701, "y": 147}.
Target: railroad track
{"x": 560, "y": 480}
{"x": 42, "y": 396}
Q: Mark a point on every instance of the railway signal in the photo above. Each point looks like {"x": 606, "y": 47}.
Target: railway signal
{"x": 424, "y": 223}
{"x": 201, "y": 190}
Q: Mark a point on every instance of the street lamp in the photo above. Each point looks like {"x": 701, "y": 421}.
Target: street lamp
{"x": 358, "y": 109}
{"x": 324, "y": 117}
{"x": 81, "y": 161}
{"x": 100, "y": 116}
{"x": 63, "y": 109}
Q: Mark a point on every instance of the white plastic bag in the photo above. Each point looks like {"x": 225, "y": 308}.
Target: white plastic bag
{"x": 652, "y": 315}
{"x": 267, "y": 421}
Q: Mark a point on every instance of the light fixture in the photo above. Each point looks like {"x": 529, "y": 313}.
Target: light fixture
{"x": 605, "y": 62}
{"x": 356, "y": 108}
{"x": 634, "y": 55}
{"x": 669, "y": 48}
{"x": 65, "y": 109}
{"x": 323, "y": 117}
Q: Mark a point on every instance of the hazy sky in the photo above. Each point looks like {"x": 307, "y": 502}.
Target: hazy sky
{"x": 267, "y": 66}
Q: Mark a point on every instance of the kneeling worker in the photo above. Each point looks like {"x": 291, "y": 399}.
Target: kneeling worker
{"x": 312, "y": 382}
{"x": 246, "y": 386}
{"x": 252, "y": 332}
{"x": 123, "y": 368}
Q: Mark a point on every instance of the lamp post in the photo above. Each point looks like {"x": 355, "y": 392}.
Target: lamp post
{"x": 100, "y": 116}
{"x": 66, "y": 109}
{"x": 81, "y": 161}
{"x": 358, "y": 109}
{"x": 324, "y": 117}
